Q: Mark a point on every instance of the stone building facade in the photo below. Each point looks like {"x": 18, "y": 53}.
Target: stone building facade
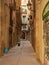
{"x": 32, "y": 23}
{"x": 8, "y": 25}
{"x": 40, "y": 46}
{"x": 19, "y": 21}
{"x": 39, "y": 30}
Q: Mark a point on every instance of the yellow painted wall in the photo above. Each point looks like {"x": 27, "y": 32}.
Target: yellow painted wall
{"x": 39, "y": 29}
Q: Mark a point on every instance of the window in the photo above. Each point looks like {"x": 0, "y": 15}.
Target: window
{"x": 24, "y": 20}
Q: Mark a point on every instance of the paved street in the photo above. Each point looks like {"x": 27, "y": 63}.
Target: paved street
{"x": 20, "y": 55}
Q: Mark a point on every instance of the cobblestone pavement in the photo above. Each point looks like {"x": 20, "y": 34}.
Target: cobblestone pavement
{"x": 20, "y": 55}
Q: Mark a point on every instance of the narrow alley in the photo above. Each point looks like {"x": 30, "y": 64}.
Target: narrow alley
{"x": 24, "y": 32}
{"x": 20, "y": 55}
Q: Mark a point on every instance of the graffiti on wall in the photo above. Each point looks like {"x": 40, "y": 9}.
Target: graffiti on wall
{"x": 45, "y": 17}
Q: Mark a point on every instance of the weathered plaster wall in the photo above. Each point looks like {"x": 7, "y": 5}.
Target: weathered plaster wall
{"x": 19, "y": 22}
{"x": 7, "y": 21}
{"x": 39, "y": 29}
{"x": 2, "y": 20}
{"x": 0, "y": 26}
{"x": 5, "y": 25}
{"x": 32, "y": 25}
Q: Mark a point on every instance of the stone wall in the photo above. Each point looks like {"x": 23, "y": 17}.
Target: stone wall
{"x": 37, "y": 29}
{"x": 19, "y": 22}
{"x": 4, "y": 39}
{"x": 14, "y": 33}
{"x": 7, "y": 40}
{"x": 32, "y": 25}
{"x": 40, "y": 46}
{"x": 0, "y": 29}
